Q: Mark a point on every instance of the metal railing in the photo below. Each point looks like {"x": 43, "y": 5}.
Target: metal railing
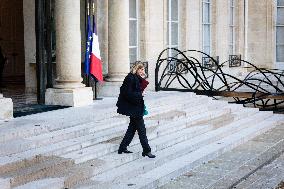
{"x": 261, "y": 87}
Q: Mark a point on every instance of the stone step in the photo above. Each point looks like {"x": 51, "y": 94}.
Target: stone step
{"x": 12, "y": 166}
{"x": 5, "y": 183}
{"x": 233, "y": 168}
{"x": 11, "y": 147}
{"x": 32, "y": 125}
{"x": 38, "y": 158}
{"x": 181, "y": 139}
{"x": 180, "y": 165}
{"x": 113, "y": 160}
{"x": 49, "y": 183}
{"x": 161, "y": 130}
{"x": 167, "y": 154}
{"x": 237, "y": 178}
{"x": 23, "y": 144}
{"x": 10, "y": 162}
{"x": 39, "y": 170}
{"x": 269, "y": 176}
{"x": 250, "y": 174}
{"x": 35, "y": 175}
{"x": 197, "y": 112}
{"x": 50, "y": 150}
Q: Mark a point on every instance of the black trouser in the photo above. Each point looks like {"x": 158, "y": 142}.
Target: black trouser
{"x": 136, "y": 123}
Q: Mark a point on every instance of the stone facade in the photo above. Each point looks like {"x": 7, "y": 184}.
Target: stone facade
{"x": 254, "y": 34}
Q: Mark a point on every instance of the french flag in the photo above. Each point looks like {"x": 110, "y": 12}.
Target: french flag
{"x": 89, "y": 41}
{"x": 96, "y": 68}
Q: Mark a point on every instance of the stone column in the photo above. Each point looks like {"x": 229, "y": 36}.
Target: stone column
{"x": 6, "y": 110}
{"x": 68, "y": 90}
{"x": 102, "y": 28}
{"x": 155, "y": 34}
{"x": 118, "y": 42}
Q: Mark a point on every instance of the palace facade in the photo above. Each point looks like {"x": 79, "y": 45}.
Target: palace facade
{"x": 130, "y": 30}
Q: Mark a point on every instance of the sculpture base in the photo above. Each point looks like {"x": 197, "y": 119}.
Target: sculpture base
{"x": 6, "y": 110}
{"x": 69, "y": 97}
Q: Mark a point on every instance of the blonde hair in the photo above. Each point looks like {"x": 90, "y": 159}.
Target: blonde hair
{"x": 137, "y": 65}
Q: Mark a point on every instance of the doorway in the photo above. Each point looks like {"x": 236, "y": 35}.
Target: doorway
{"x": 12, "y": 43}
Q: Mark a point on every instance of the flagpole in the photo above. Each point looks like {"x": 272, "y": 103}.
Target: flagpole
{"x": 88, "y": 13}
{"x": 87, "y": 6}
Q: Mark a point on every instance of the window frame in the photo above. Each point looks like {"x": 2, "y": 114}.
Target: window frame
{"x": 170, "y": 25}
{"x": 209, "y": 24}
{"x": 232, "y": 27}
{"x": 279, "y": 64}
{"x": 137, "y": 31}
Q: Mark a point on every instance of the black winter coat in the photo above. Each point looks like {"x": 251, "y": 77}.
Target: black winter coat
{"x": 130, "y": 101}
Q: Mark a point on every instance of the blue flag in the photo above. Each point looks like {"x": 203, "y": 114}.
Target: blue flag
{"x": 89, "y": 41}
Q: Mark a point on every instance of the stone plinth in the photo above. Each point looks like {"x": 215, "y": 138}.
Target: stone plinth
{"x": 6, "y": 110}
{"x": 68, "y": 89}
{"x": 109, "y": 89}
{"x": 69, "y": 97}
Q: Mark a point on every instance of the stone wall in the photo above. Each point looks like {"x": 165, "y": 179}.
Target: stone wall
{"x": 261, "y": 33}
{"x": 255, "y": 37}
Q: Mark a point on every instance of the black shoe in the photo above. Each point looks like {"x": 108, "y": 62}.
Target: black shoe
{"x": 124, "y": 151}
{"x": 148, "y": 154}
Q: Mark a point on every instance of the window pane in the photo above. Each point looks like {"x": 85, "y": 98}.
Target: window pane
{"x": 232, "y": 3}
{"x": 280, "y": 53}
{"x": 280, "y": 35}
{"x": 174, "y": 33}
{"x": 231, "y": 34}
{"x": 280, "y": 2}
{"x": 231, "y": 49}
{"x": 280, "y": 15}
{"x": 132, "y": 8}
{"x": 206, "y": 35}
{"x": 172, "y": 52}
{"x": 206, "y": 13}
{"x": 174, "y": 7}
{"x": 206, "y": 49}
{"x": 232, "y": 16}
{"x": 168, "y": 11}
{"x": 133, "y": 54}
{"x": 168, "y": 34}
{"x": 133, "y": 32}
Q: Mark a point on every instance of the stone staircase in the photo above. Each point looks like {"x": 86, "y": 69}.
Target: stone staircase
{"x": 257, "y": 163}
{"x": 77, "y": 147}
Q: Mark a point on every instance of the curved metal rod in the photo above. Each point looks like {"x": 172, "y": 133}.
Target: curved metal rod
{"x": 205, "y": 78}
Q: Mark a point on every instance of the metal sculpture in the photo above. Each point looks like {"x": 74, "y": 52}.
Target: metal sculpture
{"x": 260, "y": 87}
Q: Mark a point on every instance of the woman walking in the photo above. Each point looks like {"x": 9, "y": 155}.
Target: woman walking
{"x": 130, "y": 103}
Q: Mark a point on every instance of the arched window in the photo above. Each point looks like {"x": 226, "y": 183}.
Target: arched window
{"x": 206, "y": 26}
{"x": 133, "y": 30}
